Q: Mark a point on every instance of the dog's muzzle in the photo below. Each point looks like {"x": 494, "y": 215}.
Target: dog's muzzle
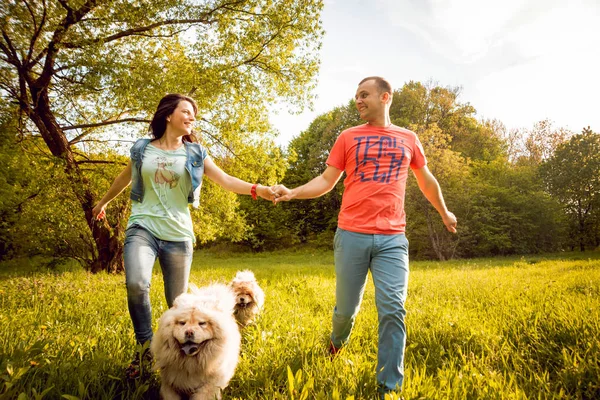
{"x": 190, "y": 348}
{"x": 244, "y": 304}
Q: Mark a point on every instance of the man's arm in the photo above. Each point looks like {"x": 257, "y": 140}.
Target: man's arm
{"x": 314, "y": 188}
{"x": 431, "y": 189}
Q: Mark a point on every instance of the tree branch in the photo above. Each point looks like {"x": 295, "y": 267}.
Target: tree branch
{"x": 138, "y": 31}
{"x": 35, "y": 27}
{"x": 263, "y": 47}
{"x": 70, "y": 19}
{"x": 9, "y": 50}
{"x": 216, "y": 139}
{"x": 103, "y": 123}
{"x": 36, "y": 33}
{"x": 99, "y": 162}
{"x": 78, "y": 138}
{"x": 135, "y": 32}
{"x": 65, "y": 6}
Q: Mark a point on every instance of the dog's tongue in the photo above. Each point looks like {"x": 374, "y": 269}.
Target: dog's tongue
{"x": 190, "y": 348}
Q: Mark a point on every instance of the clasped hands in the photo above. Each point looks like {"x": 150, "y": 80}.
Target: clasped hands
{"x": 275, "y": 193}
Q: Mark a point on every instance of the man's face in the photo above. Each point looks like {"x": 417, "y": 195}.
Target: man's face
{"x": 369, "y": 102}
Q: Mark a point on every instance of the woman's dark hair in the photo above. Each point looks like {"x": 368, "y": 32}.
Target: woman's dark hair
{"x": 166, "y": 106}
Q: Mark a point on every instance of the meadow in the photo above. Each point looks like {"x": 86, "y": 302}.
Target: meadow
{"x": 497, "y": 328}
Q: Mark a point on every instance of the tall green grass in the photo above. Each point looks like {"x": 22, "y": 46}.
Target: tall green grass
{"x": 505, "y": 328}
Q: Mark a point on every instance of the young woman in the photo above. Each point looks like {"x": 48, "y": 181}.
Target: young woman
{"x": 166, "y": 175}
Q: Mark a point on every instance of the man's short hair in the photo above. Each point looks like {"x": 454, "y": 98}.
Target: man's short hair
{"x": 382, "y": 84}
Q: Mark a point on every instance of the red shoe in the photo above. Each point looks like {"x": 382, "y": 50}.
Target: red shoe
{"x": 140, "y": 365}
{"x": 333, "y": 351}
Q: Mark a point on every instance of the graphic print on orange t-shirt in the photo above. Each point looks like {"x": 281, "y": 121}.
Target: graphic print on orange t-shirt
{"x": 387, "y": 147}
{"x": 376, "y": 161}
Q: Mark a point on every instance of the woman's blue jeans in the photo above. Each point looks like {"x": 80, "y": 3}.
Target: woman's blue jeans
{"x": 141, "y": 250}
{"x": 387, "y": 258}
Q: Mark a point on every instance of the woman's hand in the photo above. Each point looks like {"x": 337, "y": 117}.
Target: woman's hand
{"x": 265, "y": 192}
{"x": 99, "y": 211}
{"x": 281, "y": 193}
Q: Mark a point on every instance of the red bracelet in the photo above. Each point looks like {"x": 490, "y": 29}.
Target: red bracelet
{"x": 253, "y": 191}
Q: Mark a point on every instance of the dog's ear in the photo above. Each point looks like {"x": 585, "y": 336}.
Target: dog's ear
{"x": 226, "y": 299}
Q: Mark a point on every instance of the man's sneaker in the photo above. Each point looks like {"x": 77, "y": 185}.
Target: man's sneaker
{"x": 140, "y": 365}
{"x": 333, "y": 351}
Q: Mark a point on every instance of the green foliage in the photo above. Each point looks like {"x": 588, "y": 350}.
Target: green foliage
{"x": 482, "y": 328}
{"x": 509, "y": 212}
{"x": 40, "y": 213}
{"x": 572, "y": 175}
{"x": 84, "y": 72}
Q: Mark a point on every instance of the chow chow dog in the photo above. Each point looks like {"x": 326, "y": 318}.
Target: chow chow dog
{"x": 197, "y": 344}
{"x": 249, "y": 297}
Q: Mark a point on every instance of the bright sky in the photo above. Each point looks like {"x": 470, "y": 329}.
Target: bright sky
{"x": 519, "y": 61}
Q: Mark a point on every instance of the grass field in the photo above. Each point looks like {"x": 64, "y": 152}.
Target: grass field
{"x": 502, "y": 328}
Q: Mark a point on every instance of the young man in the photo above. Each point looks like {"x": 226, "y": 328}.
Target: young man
{"x": 376, "y": 157}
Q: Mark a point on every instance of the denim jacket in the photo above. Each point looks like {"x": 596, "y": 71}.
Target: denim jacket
{"x": 194, "y": 166}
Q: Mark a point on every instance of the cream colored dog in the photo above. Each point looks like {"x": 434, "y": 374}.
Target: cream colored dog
{"x": 197, "y": 344}
{"x": 249, "y": 297}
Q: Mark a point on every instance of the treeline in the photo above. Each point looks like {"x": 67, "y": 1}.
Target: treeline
{"x": 513, "y": 191}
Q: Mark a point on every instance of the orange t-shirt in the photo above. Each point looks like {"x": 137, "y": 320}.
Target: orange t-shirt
{"x": 376, "y": 161}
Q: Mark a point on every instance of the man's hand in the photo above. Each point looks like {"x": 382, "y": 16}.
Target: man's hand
{"x": 266, "y": 192}
{"x": 281, "y": 193}
{"x": 450, "y": 221}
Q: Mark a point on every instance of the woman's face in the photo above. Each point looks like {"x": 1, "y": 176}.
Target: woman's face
{"x": 182, "y": 119}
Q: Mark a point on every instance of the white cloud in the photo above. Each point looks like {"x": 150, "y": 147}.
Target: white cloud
{"x": 518, "y": 61}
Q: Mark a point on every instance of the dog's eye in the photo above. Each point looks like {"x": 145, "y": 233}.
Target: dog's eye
{"x": 202, "y": 323}
{"x": 181, "y": 322}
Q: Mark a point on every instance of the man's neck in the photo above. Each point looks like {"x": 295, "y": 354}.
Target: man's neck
{"x": 382, "y": 122}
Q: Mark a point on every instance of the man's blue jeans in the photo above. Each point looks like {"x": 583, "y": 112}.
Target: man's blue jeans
{"x": 387, "y": 258}
{"x": 141, "y": 250}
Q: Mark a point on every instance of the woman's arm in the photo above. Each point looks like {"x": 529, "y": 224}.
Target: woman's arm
{"x": 233, "y": 184}
{"x": 121, "y": 182}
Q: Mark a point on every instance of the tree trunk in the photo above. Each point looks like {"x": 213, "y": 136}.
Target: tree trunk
{"x": 110, "y": 249}
{"x": 581, "y": 231}
{"x": 434, "y": 238}
{"x": 109, "y": 254}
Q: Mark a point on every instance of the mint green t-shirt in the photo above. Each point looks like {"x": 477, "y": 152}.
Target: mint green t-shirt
{"x": 164, "y": 209}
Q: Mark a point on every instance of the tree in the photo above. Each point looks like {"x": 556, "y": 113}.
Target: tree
{"x": 424, "y": 225}
{"x": 572, "y": 175}
{"x": 508, "y": 212}
{"x": 79, "y": 69}
{"x": 533, "y": 146}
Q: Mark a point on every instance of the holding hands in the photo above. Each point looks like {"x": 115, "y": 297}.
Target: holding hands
{"x": 281, "y": 193}
{"x": 266, "y": 192}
